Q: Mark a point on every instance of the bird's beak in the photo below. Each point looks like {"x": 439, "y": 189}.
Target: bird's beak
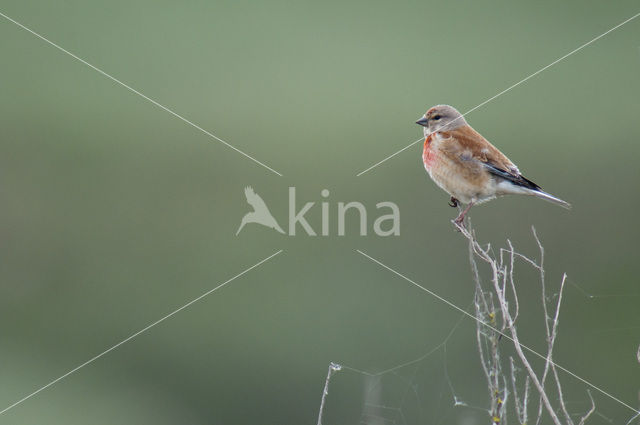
{"x": 423, "y": 121}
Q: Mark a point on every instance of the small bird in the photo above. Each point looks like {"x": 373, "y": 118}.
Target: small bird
{"x": 466, "y": 166}
{"x": 260, "y": 213}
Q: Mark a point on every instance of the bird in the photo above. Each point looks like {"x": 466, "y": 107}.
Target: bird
{"x": 466, "y": 166}
{"x": 260, "y": 213}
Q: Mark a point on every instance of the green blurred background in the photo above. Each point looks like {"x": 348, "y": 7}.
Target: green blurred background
{"x": 113, "y": 213}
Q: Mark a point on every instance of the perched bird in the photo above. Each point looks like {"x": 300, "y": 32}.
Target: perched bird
{"x": 466, "y": 166}
{"x": 260, "y": 213}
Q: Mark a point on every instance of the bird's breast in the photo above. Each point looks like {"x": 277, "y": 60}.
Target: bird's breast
{"x": 454, "y": 171}
{"x": 428, "y": 153}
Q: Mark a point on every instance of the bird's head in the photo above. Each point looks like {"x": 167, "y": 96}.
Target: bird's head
{"x": 441, "y": 118}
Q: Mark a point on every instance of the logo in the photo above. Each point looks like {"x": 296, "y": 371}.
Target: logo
{"x": 260, "y": 213}
{"x": 384, "y": 224}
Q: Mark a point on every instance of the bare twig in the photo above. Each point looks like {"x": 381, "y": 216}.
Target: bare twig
{"x": 551, "y": 341}
{"x": 333, "y": 367}
{"x": 520, "y": 404}
{"x": 584, "y": 418}
{"x": 503, "y": 288}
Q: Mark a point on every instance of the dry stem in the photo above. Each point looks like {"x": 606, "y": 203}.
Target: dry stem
{"x": 491, "y": 326}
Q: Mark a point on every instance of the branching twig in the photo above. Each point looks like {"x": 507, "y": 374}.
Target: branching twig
{"x": 490, "y": 327}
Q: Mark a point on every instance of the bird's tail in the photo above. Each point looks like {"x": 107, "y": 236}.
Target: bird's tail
{"x": 548, "y": 197}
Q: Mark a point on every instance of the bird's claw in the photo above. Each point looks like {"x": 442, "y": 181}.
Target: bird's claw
{"x": 453, "y": 202}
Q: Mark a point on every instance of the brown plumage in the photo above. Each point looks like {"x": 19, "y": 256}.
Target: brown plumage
{"x": 466, "y": 165}
{"x": 467, "y": 140}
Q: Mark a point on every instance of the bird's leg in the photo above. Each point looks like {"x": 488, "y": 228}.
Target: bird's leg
{"x": 460, "y": 219}
{"x": 453, "y": 203}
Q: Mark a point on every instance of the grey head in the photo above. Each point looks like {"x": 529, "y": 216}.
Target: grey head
{"x": 441, "y": 118}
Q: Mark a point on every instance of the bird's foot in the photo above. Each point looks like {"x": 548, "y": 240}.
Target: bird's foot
{"x": 459, "y": 222}
{"x": 453, "y": 202}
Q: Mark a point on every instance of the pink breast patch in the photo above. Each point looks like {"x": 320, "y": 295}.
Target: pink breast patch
{"x": 428, "y": 154}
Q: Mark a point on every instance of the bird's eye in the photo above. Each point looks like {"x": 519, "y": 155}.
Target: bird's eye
{"x": 437, "y": 117}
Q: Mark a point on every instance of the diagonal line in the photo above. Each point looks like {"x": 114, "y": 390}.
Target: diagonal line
{"x": 466, "y": 313}
{"x": 137, "y": 333}
{"x": 389, "y": 157}
{"x": 510, "y": 87}
{"x": 443, "y": 344}
{"x": 114, "y": 79}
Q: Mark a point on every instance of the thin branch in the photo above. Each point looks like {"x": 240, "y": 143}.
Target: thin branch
{"x": 520, "y": 405}
{"x": 513, "y": 285}
{"x": 501, "y": 279}
{"x": 584, "y": 418}
{"x": 552, "y": 339}
{"x": 333, "y": 367}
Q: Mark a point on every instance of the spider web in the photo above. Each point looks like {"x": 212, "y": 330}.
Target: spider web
{"x": 419, "y": 391}
{"x": 432, "y": 388}
{"x": 402, "y": 394}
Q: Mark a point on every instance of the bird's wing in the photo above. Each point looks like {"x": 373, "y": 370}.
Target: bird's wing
{"x": 471, "y": 146}
{"x": 254, "y": 199}
{"x": 517, "y": 179}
